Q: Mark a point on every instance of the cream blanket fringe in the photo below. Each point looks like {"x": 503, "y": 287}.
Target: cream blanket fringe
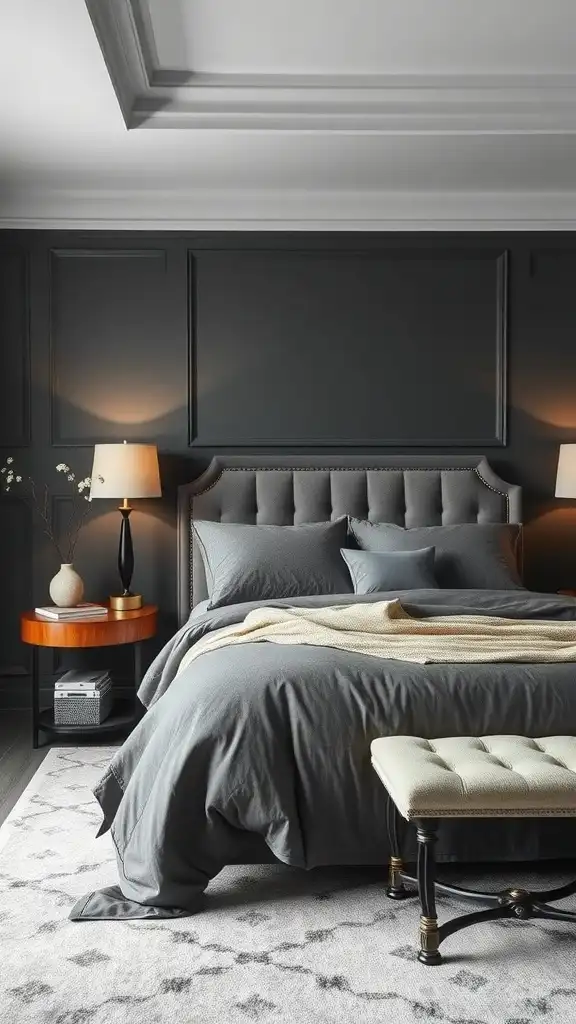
{"x": 386, "y": 630}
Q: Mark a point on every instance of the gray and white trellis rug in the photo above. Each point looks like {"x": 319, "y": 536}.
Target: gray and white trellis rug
{"x": 273, "y": 946}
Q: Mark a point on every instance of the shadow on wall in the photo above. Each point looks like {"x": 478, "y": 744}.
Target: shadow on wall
{"x": 534, "y": 445}
{"x": 550, "y": 546}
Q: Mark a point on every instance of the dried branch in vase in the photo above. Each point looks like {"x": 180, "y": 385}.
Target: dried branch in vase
{"x": 38, "y": 499}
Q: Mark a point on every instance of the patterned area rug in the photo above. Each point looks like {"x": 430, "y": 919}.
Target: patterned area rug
{"x": 273, "y": 945}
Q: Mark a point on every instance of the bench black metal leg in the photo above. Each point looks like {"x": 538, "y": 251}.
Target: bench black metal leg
{"x": 509, "y": 903}
{"x": 396, "y": 889}
{"x": 429, "y": 934}
{"x": 551, "y": 913}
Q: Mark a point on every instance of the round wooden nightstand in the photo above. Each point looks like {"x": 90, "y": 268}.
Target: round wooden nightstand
{"x": 131, "y": 627}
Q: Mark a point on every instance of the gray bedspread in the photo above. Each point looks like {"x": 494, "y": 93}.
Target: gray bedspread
{"x": 260, "y": 752}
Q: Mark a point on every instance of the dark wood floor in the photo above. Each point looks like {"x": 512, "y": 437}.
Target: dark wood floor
{"x": 18, "y": 761}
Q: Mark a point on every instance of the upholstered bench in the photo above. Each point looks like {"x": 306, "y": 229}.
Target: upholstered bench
{"x": 472, "y": 777}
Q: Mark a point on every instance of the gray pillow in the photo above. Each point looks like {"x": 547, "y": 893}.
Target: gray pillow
{"x": 374, "y": 571}
{"x": 263, "y": 563}
{"x": 469, "y": 556}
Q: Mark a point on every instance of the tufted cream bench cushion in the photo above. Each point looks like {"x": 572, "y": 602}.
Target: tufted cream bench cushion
{"x": 477, "y": 777}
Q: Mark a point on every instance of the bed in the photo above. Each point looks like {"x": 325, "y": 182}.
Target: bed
{"x": 261, "y": 752}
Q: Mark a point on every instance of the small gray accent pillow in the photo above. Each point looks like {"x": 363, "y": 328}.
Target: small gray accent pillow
{"x": 264, "y": 563}
{"x": 469, "y": 556}
{"x": 374, "y": 571}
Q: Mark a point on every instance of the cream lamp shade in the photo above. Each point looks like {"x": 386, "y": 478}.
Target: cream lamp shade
{"x": 566, "y": 475}
{"x": 125, "y": 471}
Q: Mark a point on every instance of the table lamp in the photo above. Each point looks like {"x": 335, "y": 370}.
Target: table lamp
{"x": 566, "y": 474}
{"x": 131, "y": 470}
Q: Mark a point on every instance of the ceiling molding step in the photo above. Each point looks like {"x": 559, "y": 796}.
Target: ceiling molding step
{"x": 299, "y": 210}
{"x": 154, "y": 97}
{"x": 119, "y": 40}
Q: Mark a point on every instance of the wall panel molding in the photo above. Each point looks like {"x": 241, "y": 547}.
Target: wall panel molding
{"x": 192, "y": 393}
{"x": 501, "y": 391}
{"x": 15, "y": 352}
{"x": 199, "y": 387}
{"x": 87, "y": 335}
{"x": 16, "y": 589}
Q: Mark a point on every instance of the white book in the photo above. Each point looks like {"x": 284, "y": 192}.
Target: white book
{"x": 84, "y": 694}
{"x": 97, "y": 688}
{"x": 81, "y": 611}
{"x": 76, "y": 679}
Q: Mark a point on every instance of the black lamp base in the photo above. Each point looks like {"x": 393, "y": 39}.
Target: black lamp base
{"x": 126, "y": 601}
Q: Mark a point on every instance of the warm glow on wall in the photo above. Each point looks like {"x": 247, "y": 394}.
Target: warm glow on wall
{"x": 559, "y": 412}
{"x": 555, "y": 405}
{"x": 122, "y": 406}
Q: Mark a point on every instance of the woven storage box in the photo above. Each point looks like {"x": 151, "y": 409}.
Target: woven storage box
{"x": 90, "y": 708}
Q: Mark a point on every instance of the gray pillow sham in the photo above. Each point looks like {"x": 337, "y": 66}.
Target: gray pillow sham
{"x": 263, "y": 563}
{"x": 469, "y": 556}
{"x": 374, "y": 571}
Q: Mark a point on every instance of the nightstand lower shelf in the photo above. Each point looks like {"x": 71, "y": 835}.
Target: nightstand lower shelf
{"x": 122, "y": 718}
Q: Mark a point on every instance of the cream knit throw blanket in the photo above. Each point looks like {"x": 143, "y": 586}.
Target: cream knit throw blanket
{"x": 386, "y": 630}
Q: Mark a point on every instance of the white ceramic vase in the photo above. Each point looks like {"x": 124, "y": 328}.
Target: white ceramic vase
{"x": 66, "y": 587}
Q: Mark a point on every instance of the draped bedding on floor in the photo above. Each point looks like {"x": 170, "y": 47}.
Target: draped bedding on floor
{"x": 261, "y": 750}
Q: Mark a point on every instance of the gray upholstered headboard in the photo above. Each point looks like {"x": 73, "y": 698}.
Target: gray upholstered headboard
{"x": 283, "y": 490}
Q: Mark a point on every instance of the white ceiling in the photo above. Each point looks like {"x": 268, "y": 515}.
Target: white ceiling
{"x": 364, "y": 36}
{"x": 67, "y": 158}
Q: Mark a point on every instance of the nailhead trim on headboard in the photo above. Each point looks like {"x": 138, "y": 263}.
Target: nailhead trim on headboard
{"x": 495, "y": 491}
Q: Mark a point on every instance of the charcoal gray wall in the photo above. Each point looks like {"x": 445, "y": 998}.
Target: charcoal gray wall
{"x": 251, "y": 342}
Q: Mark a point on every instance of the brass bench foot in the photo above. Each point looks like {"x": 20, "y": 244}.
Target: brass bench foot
{"x": 396, "y": 890}
{"x": 429, "y": 942}
{"x": 430, "y": 959}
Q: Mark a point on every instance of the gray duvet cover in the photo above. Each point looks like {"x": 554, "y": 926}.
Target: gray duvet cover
{"x": 260, "y": 752}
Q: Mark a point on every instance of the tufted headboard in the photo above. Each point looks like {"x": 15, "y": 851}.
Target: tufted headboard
{"x": 283, "y": 490}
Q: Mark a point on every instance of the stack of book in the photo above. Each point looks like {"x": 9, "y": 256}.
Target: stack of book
{"x": 80, "y": 611}
{"x": 82, "y": 698}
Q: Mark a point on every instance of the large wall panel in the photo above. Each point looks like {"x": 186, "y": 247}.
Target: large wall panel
{"x": 118, "y": 359}
{"x": 378, "y": 348}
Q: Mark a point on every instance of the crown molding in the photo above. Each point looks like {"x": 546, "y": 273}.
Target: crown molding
{"x": 151, "y": 96}
{"x": 297, "y": 210}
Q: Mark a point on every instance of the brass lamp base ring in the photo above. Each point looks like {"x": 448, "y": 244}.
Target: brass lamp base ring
{"x": 125, "y": 602}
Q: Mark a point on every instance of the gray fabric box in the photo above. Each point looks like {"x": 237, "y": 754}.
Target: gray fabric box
{"x": 90, "y": 707}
